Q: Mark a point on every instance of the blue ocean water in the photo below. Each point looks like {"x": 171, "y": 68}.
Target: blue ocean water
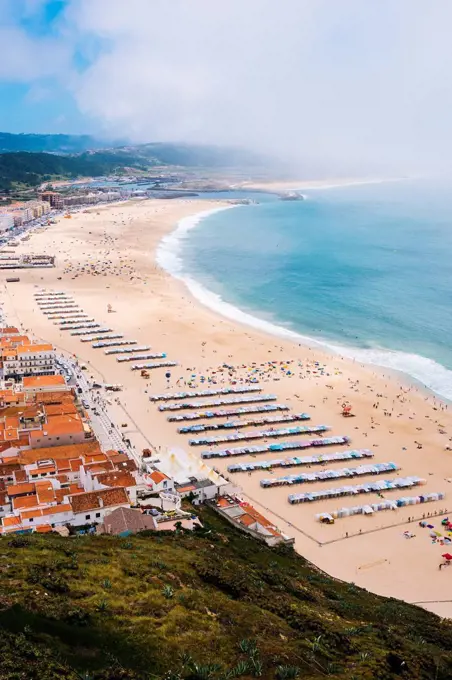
{"x": 364, "y": 269}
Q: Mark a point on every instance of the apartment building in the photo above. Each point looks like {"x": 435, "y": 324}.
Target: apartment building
{"x": 28, "y": 360}
{"x": 6, "y": 221}
{"x": 38, "y": 384}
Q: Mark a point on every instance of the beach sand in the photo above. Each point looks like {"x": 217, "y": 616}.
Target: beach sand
{"x": 107, "y": 256}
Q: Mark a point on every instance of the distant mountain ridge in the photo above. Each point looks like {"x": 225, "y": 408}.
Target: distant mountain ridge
{"x": 154, "y": 153}
{"x": 57, "y": 143}
{"x": 27, "y": 160}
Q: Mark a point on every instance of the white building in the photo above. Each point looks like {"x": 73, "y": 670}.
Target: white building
{"x": 44, "y": 383}
{"x": 29, "y": 360}
{"x": 93, "y": 506}
{"x": 6, "y": 221}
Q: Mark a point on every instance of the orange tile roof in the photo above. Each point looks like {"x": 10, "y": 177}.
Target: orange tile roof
{"x": 27, "y": 349}
{"x": 9, "y": 435}
{"x": 75, "y": 465}
{"x": 8, "y": 469}
{"x": 9, "y": 460}
{"x": 55, "y": 397}
{"x": 116, "y": 479}
{"x": 5, "y": 393}
{"x": 93, "y": 500}
{"x": 31, "y": 412}
{"x": 246, "y": 519}
{"x": 62, "y": 478}
{"x": 223, "y": 503}
{"x": 46, "y": 496}
{"x": 20, "y": 476}
{"x": 22, "y": 502}
{"x": 95, "y": 468}
{"x": 43, "y": 380}
{"x": 13, "y": 398}
{"x": 43, "y": 528}
{"x": 11, "y": 421}
{"x": 60, "y": 494}
{"x": 43, "y": 470}
{"x": 59, "y": 425}
{"x": 54, "y": 509}
{"x": 96, "y": 458}
{"x": 183, "y": 489}
{"x": 43, "y": 484}
{"x": 10, "y": 521}
{"x": 60, "y": 409}
{"x": 59, "y": 453}
{"x": 9, "y": 330}
{"x": 28, "y": 514}
{"x": 157, "y": 476}
{"x": 100, "y": 467}
{"x": 20, "y": 489}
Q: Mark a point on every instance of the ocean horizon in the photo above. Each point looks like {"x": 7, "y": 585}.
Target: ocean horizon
{"x": 360, "y": 270}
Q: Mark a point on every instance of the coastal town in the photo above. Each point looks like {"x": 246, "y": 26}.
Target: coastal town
{"x": 63, "y": 471}
{"x": 289, "y": 444}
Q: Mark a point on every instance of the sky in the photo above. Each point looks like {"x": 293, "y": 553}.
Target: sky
{"x": 340, "y": 84}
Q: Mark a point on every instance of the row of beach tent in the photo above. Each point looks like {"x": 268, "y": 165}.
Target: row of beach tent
{"x": 381, "y": 505}
{"x": 106, "y": 342}
{"x": 260, "y": 434}
{"x": 233, "y": 424}
{"x": 217, "y": 402}
{"x": 93, "y": 338}
{"x": 50, "y": 294}
{"x": 280, "y": 446}
{"x": 318, "y": 459}
{"x": 77, "y": 325}
{"x": 141, "y": 357}
{"x": 89, "y": 331}
{"x": 204, "y": 393}
{"x": 74, "y": 318}
{"x": 72, "y": 307}
{"x": 255, "y": 408}
{"x": 126, "y": 350}
{"x": 361, "y": 470}
{"x": 160, "y": 364}
{"x": 369, "y": 487}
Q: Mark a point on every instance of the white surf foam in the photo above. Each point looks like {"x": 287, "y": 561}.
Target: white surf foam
{"x": 168, "y": 254}
{"x": 426, "y": 371}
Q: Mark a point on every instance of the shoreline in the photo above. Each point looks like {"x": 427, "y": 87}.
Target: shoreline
{"x": 169, "y": 258}
{"x": 108, "y": 256}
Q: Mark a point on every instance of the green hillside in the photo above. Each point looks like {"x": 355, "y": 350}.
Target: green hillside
{"x": 31, "y": 169}
{"x": 214, "y": 604}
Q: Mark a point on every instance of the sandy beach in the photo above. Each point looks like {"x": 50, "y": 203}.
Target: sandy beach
{"x": 107, "y": 257}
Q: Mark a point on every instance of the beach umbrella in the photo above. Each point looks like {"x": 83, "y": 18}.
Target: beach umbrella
{"x": 447, "y": 556}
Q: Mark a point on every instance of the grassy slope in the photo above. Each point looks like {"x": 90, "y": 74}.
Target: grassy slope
{"x": 104, "y": 607}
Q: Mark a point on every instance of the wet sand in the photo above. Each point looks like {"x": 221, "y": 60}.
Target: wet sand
{"x": 107, "y": 257}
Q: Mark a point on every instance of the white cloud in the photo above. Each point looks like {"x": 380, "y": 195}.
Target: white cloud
{"x": 25, "y": 58}
{"x": 341, "y": 82}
